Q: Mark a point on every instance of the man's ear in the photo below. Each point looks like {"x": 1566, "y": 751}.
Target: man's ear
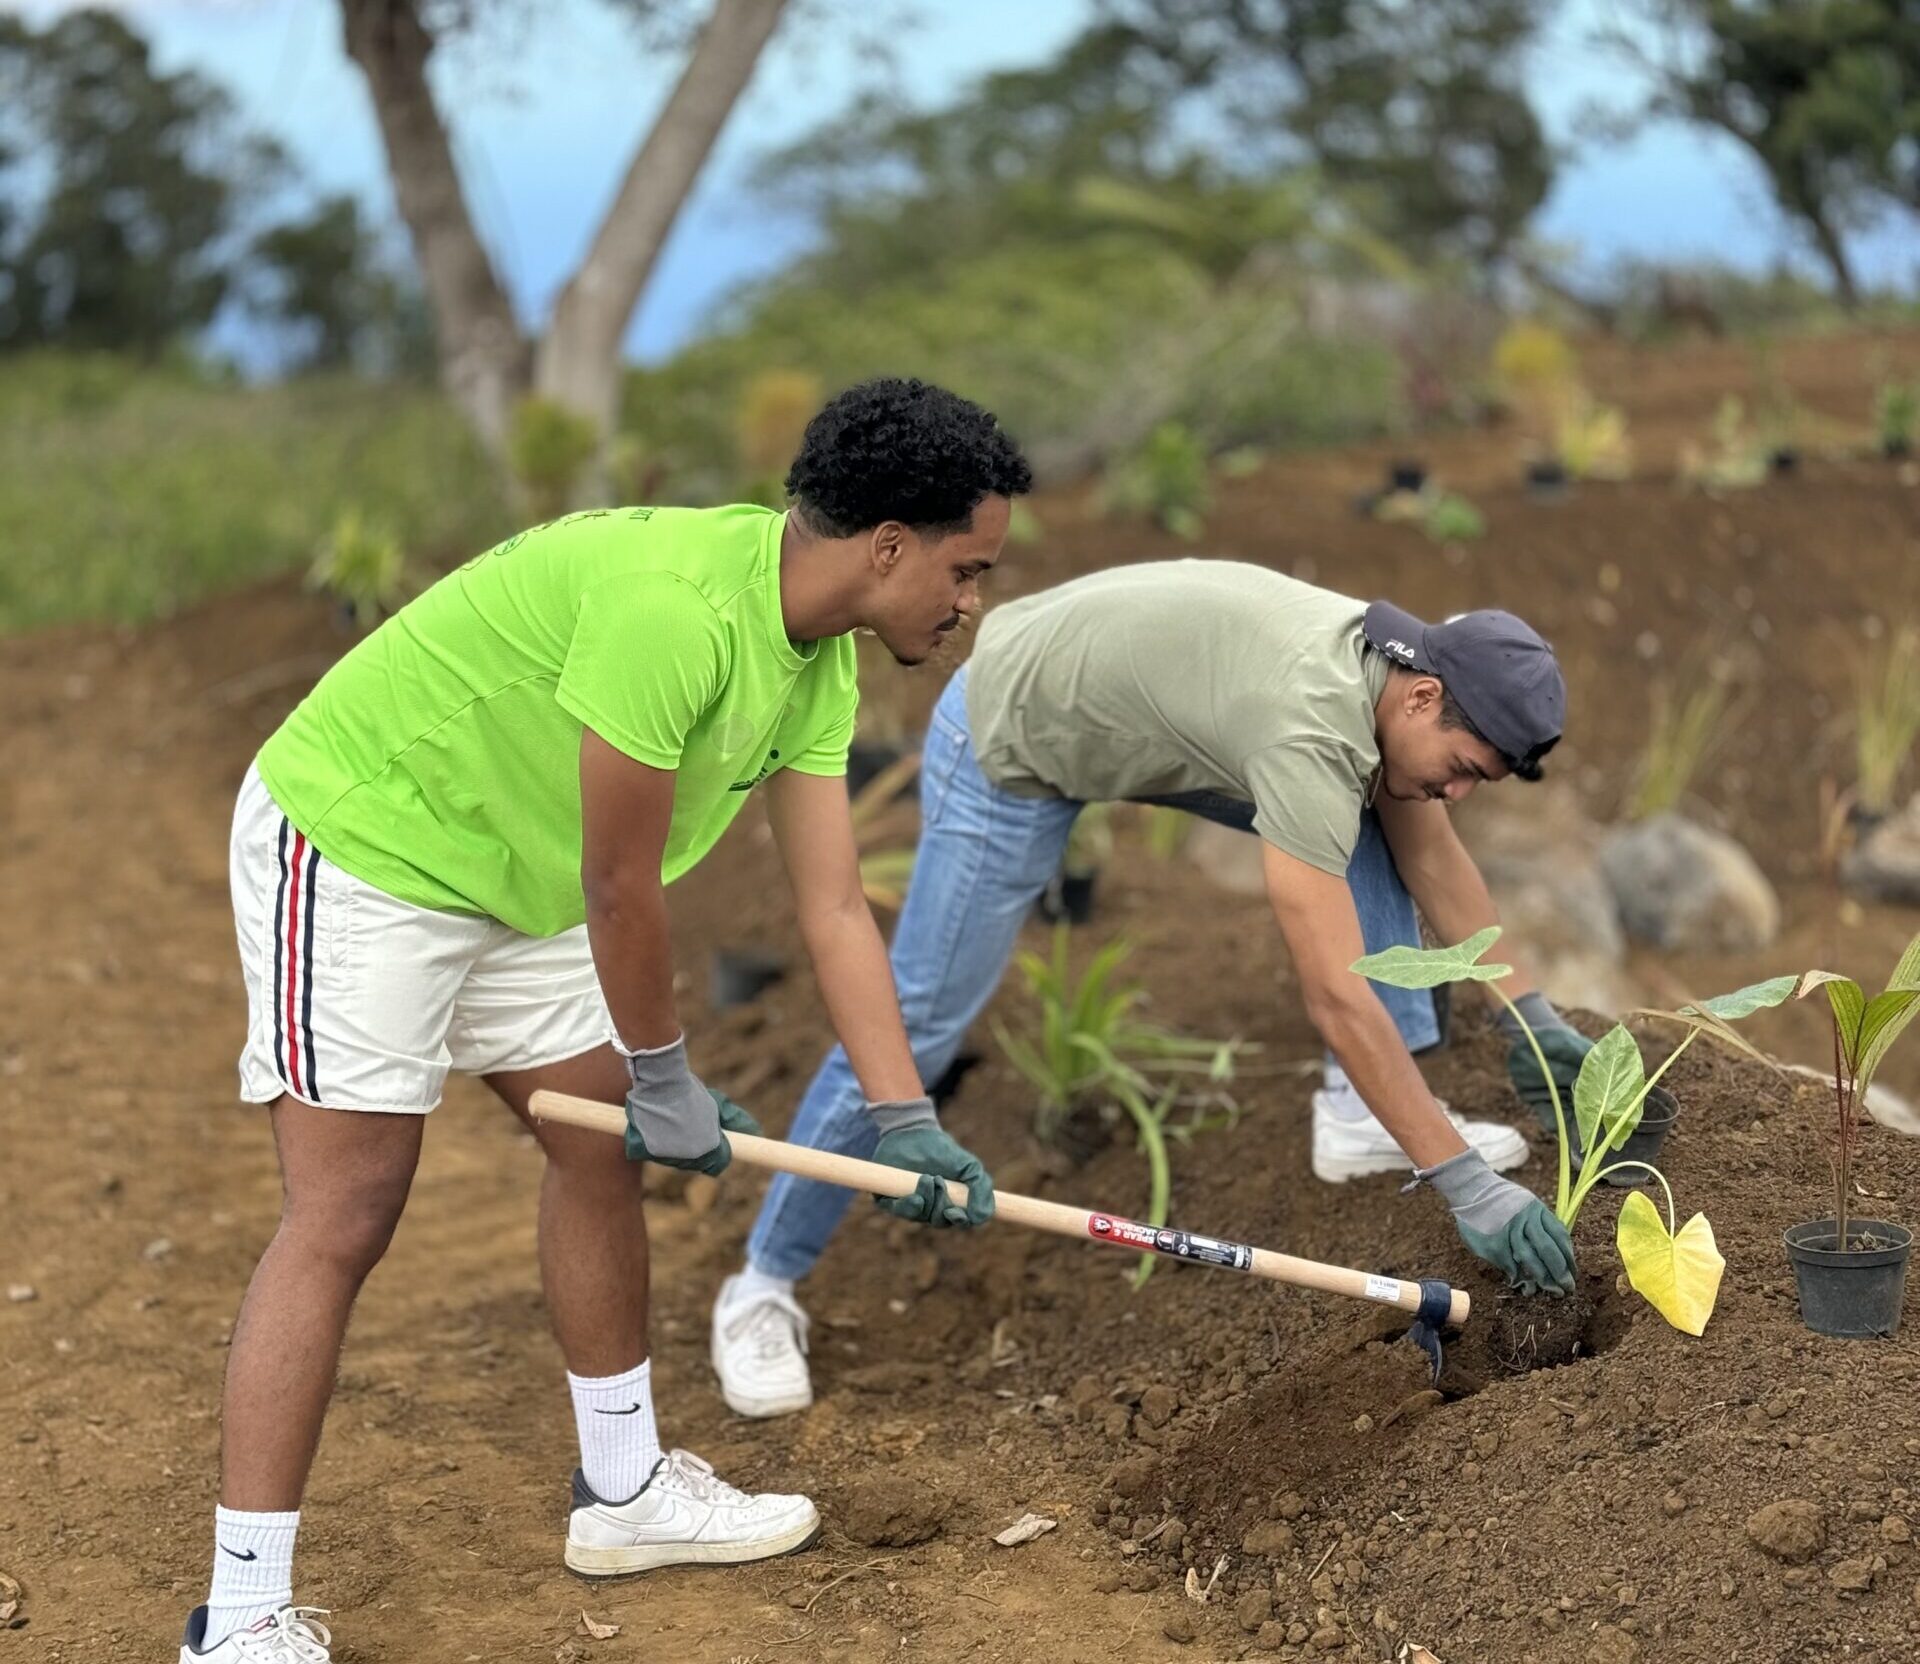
{"x": 1423, "y": 695}
{"x": 886, "y": 544}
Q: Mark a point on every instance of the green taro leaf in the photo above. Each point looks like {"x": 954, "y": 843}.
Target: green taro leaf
{"x": 1743, "y": 1002}
{"x": 1849, "y": 1007}
{"x": 1406, "y": 967}
{"x": 1611, "y": 1078}
{"x": 1886, "y": 1015}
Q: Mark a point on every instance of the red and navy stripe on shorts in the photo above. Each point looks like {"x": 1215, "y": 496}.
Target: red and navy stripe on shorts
{"x": 293, "y": 963}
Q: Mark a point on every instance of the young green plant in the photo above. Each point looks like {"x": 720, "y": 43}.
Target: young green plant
{"x": 1886, "y": 723}
{"x": 1090, "y": 1046}
{"x": 1864, "y": 1030}
{"x": 1676, "y": 1267}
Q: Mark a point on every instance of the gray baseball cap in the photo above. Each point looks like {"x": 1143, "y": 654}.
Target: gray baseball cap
{"x": 1497, "y": 667}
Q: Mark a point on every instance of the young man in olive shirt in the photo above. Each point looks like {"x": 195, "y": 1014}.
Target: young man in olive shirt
{"x": 1337, "y": 732}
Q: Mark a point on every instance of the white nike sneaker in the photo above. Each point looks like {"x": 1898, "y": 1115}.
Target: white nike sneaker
{"x": 760, "y": 1351}
{"x": 682, "y": 1516}
{"x": 1344, "y": 1150}
{"x": 290, "y": 1636}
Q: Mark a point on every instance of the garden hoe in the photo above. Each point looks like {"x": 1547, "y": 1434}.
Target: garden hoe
{"x": 1434, "y": 1304}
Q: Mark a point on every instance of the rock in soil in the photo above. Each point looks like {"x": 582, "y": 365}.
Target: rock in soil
{"x": 1791, "y": 1529}
{"x": 893, "y": 1511}
{"x": 1178, "y": 1628}
{"x": 1885, "y": 865}
{"x": 1683, "y": 887}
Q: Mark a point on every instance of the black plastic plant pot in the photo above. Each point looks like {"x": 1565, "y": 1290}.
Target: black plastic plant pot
{"x": 1785, "y": 460}
{"x": 1642, "y": 1145}
{"x": 1068, "y": 898}
{"x": 1405, "y": 474}
{"x": 1546, "y": 479}
{"x": 1854, "y": 1293}
{"x": 739, "y": 976}
{"x": 1896, "y": 450}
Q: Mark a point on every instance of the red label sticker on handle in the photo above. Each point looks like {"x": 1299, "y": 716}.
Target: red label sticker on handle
{"x": 1178, "y": 1245}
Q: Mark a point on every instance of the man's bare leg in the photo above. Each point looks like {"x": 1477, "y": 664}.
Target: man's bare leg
{"x": 593, "y": 1230}
{"x": 345, "y": 1176}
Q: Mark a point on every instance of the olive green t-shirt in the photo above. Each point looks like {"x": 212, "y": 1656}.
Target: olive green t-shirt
{"x": 1186, "y": 676}
{"x": 440, "y": 759}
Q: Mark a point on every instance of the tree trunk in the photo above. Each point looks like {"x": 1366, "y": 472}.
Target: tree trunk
{"x": 578, "y": 362}
{"x": 1833, "y": 250}
{"x": 484, "y": 360}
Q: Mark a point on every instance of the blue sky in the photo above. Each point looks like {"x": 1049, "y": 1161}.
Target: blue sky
{"x": 543, "y": 131}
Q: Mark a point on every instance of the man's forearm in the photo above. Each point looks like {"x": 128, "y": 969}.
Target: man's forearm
{"x": 631, "y": 938}
{"x": 850, "y": 962}
{"x": 1361, "y": 1034}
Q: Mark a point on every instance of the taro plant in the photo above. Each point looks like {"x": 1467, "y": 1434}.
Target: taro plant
{"x": 1453, "y": 519}
{"x": 1590, "y": 439}
{"x": 1737, "y": 459}
{"x": 1864, "y": 1030}
{"x": 1089, "y": 1047}
{"x": 1677, "y": 1268}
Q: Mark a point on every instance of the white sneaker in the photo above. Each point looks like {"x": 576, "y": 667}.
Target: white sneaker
{"x": 760, "y": 1351}
{"x": 1344, "y": 1150}
{"x": 290, "y": 1636}
{"x": 683, "y": 1515}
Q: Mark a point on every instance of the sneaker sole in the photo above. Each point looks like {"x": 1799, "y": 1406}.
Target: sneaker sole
{"x": 600, "y": 1565}
{"x": 1332, "y": 1169}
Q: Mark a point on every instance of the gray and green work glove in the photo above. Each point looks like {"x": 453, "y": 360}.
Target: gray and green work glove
{"x": 673, "y": 1119}
{"x": 1505, "y": 1224}
{"x": 911, "y": 1137}
{"x": 1565, "y": 1048}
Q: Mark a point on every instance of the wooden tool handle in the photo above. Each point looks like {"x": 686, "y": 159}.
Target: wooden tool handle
{"x": 854, "y": 1174}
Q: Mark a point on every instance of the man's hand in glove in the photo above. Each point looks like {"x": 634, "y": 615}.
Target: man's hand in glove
{"x": 911, "y": 1137}
{"x": 1505, "y": 1224}
{"x": 673, "y": 1119}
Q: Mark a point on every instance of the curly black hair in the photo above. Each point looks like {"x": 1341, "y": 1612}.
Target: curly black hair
{"x": 899, "y": 449}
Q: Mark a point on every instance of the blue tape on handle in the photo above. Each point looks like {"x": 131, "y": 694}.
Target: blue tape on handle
{"x": 1436, "y": 1303}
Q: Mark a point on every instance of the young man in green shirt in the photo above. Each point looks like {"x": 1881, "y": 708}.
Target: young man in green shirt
{"x": 1338, "y": 733}
{"x": 454, "y": 854}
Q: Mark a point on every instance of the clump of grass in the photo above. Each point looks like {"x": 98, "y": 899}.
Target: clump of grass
{"x": 1886, "y": 721}
{"x": 362, "y": 564}
{"x": 1453, "y": 519}
{"x": 1590, "y": 438}
{"x": 1165, "y": 478}
{"x": 1736, "y": 458}
{"x": 1896, "y": 416}
{"x": 1693, "y": 713}
{"x": 1089, "y": 1048}
{"x": 549, "y": 450}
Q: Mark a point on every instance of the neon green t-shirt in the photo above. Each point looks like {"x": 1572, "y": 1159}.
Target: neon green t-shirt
{"x": 440, "y": 759}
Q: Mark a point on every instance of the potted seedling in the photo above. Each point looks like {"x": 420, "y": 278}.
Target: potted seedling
{"x": 1677, "y": 1268}
{"x": 1852, "y": 1272}
{"x": 1897, "y": 414}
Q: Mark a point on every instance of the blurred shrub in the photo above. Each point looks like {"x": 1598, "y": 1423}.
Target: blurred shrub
{"x": 1081, "y": 349}
{"x": 362, "y": 565}
{"x": 1531, "y": 357}
{"x": 127, "y": 492}
{"x": 1896, "y": 416}
{"x": 775, "y": 407}
{"x": 1734, "y": 460}
{"x": 1453, "y": 519}
{"x": 549, "y": 450}
{"x": 1590, "y": 439}
{"x": 1165, "y": 478}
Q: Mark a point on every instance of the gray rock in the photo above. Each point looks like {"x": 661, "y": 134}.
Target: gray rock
{"x": 1885, "y": 865}
{"x": 1681, "y": 886}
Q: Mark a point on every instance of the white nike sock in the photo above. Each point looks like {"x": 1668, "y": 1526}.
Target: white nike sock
{"x": 252, "y": 1570}
{"x": 1343, "y": 1098}
{"x": 753, "y": 1282}
{"x": 619, "y": 1444}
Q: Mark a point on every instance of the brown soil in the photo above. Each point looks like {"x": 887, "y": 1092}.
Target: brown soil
{"x": 1597, "y": 1510}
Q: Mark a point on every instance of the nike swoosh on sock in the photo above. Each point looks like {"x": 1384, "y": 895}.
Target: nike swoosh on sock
{"x": 631, "y": 1410}
{"x": 249, "y": 1555}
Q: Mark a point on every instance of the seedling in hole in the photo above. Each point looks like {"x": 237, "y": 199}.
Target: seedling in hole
{"x": 1676, "y": 1267}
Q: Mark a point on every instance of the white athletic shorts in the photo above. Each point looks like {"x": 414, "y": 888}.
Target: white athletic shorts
{"x": 356, "y": 1000}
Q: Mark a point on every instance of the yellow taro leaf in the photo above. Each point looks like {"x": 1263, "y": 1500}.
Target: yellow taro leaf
{"x": 1679, "y": 1276}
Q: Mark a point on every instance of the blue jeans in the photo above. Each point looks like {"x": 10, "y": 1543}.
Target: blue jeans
{"x": 983, "y": 858}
